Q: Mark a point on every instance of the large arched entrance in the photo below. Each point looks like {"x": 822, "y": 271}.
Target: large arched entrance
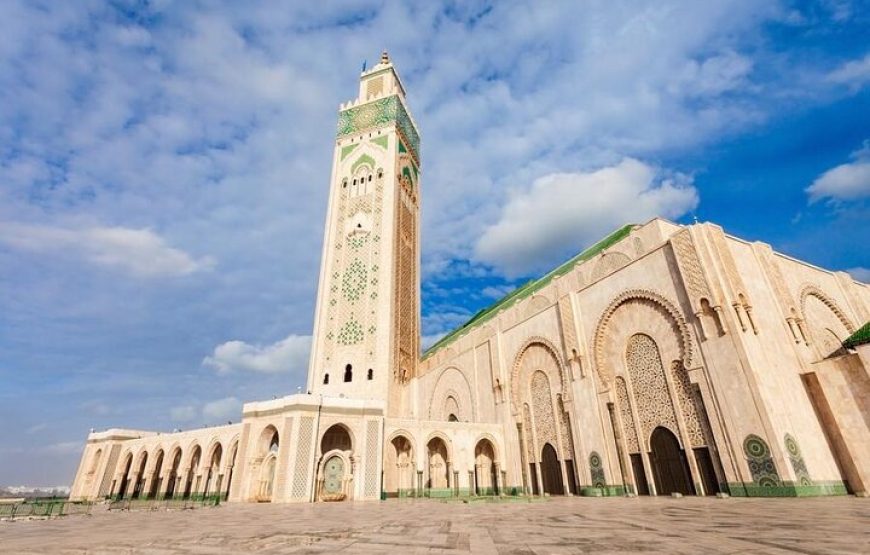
{"x": 670, "y": 469}
{"x": 335, "y": 480}
{"x": 485, "y": 472}
{"x": 551, "y": 471}
{"x": 439, "y": 464}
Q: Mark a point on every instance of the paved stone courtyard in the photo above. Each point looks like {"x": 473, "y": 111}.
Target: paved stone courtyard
{"x": 562, "y": 525}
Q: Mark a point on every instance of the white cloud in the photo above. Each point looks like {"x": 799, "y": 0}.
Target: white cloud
{"x": 288, "y": 355}
{"x": 217, "y": 411}
{"x": 854, "y": 73}
{"x": 850, "y": 181}
{"x": 36, "y": 428}
{"x": 562, "y": 213}
{"x": 139, "y": 252}
{"x": 860, "y": 274}
{"x": 184, "y": 413}
{"x": 228, "y": 408}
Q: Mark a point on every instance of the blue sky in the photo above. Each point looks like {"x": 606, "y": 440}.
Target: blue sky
{"x": 164, "y": 170}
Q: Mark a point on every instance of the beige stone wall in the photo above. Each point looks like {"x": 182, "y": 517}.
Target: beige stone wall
{"x": 730, "y": 347}
{"x": 744, "y": 322}
{"x": 147, "y": 460}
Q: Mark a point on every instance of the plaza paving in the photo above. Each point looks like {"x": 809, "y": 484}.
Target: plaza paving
{"x": 559, "y": 525}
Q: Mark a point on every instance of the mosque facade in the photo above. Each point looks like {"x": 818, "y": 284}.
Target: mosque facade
{"x": 663, "y": 359}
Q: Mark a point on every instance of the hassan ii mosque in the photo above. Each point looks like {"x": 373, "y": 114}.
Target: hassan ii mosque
{"x": 665, "y": 358}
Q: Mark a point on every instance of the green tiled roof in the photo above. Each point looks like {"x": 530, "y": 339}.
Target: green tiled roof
{"x": 530, "y": 288}
{"x": 859, "y": 337}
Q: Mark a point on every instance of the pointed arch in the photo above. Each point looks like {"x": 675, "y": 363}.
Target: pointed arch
{"x": 686, "y": 343}
{"x": 813, "y": 290}
{"x": 525, "y": 354}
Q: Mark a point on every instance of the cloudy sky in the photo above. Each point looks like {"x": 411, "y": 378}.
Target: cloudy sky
{"x": 164, "y": 170}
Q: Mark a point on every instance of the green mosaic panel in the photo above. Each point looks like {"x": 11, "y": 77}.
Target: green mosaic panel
{"x": 381, "y": 141}
{"x": 353, "y": 283}
{"x": 406, "y": 172}
{"x": 351, "y": 333}
{"x": 596, "y": 469}
{"x": 797, "y": 461}
{"x": 760, "y": 462}
{"x": 356, "y": 242}
{"x": 346, "y": 150}
{"x": 379, "y": 113}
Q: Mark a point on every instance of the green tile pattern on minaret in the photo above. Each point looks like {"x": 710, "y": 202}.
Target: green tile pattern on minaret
{"x": 377, "y": 114}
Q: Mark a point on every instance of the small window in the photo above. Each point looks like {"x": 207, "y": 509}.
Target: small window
{"x": 371, "y": 374}
{"x": 344, "y": 183}
{"x": 452, "y": 418}
{"x": 326, "y": 379}
{"x": 348, "y": 373}
{"x": 370, "y": 177}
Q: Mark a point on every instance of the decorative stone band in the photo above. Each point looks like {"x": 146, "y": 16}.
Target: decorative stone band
{"x": 379, "y": 113}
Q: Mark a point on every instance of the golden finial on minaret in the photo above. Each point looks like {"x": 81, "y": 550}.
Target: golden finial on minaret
{"x": 385, "y": 58}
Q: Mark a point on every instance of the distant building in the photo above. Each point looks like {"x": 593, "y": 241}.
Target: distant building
{"x": 665, "y": 358}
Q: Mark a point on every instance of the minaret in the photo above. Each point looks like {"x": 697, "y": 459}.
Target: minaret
{"x": 367, "y": 321}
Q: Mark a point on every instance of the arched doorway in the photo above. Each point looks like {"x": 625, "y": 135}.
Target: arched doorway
{"x": 333, "y": 477}
{"x": 268, "y": 450}
{"x": 670, "y": 469}
{"x": 140, "y": 476}
{"x": 439, "y": 464}
{"x": 192, "y": 470}
{"x": 267, "y": 479}
{"x": 172, "y": 478}
{"x": 156, "y": 479}
{"x": 336, "y": 437}
{"x": 485, "y": 473}
{"x": 232, "y": 463}
{"x": 551, "y": 471}
{"x": 213, "y": 478}
{"x": 334, "y": 480}
{"x": 399, "y": 468}
{"x": 125, "y": 478}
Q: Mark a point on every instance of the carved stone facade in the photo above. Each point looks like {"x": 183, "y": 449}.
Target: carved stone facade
{"x": 665, "y": 358}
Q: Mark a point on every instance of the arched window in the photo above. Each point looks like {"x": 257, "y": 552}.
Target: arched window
{"x": 452, "y": 418}
{"x": 348, "y": 373}
{"x": 326, "y": 379}
{"x": 371, "y": 374}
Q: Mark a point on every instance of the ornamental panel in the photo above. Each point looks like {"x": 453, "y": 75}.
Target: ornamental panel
{"x": 303, "y": 458}
{"x": 622, "y": 400}
{"x": 650, "y": 387}
{"x": 542, "y": 405}
{"x": 761, "y": 464}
